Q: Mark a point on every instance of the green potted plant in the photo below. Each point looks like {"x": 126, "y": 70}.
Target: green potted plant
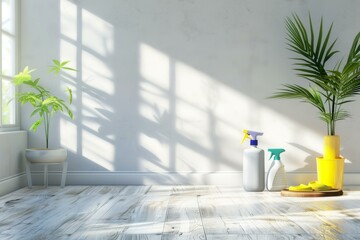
{"x": 45, "y": 106}
{"x": 328, "y": 88}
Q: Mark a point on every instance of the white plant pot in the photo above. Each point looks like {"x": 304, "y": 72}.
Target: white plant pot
{"x": 46, "y": 155}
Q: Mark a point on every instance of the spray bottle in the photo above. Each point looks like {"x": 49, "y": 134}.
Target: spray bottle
{"x": 276, "y": 176}
{"x": 253, "y": 164}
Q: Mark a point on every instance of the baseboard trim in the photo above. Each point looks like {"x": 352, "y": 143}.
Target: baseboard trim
{"x": 13, "y": 183}
{"x": 171, "y": 178}
{"x": 352, "y": 179}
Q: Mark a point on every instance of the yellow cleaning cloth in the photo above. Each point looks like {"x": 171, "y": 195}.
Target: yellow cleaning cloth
{"x": 312, "y": 186}
{"x": 317, "y": 186}
{"x": 301, "y": 188}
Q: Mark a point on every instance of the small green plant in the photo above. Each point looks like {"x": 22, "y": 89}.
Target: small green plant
{"x": 329, "y": 89}
{"x": 44, "y": 103}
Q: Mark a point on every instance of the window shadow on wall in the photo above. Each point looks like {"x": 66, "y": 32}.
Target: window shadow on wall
{"x": 161, "y": 90}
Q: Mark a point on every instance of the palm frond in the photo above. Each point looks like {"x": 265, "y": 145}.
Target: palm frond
{"x": 341, "y": 115}
{"x": 354, "y": 54}
{"x": 314, "y": 54}
{"x": 328, "y": 90}
{"x": 310, "y": 95}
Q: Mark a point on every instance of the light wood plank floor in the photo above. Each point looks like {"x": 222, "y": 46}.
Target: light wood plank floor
{"x": 175, "y": 212}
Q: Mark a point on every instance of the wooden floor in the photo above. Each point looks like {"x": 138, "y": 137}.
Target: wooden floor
{"x": 174, "y": 212}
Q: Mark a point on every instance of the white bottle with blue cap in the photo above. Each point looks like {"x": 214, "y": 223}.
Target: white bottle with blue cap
{"x": 253, "y": 164}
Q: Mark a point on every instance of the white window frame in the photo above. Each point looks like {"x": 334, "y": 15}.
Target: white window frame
{"x": 16, "y": 125}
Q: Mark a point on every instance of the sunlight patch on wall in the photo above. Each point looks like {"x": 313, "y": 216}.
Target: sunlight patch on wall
{"x": 68, "y": 135}
{"x": 88, "y": 42}
{"x": 234, "y": 110}
{"x": 193, "y": 85}
{"x": 91, "y": 117}
{"x": 68, "y": 20}
{"x": 192, "y": 106}
{"x": 155, "y": 98}
{"x": 97, "y": 35}
{"x": 154, "y": 66}
{"x": 154, "y": 108}
{"x": 96, "y": 149}
{"x": 68, "y": 30}
{"x": 154, "y": 88}
{"x": 155, "y": 154}
{"x": 68, "y": 52}
{"x": 97, "y": 74}
{"x": 193, "y": 124}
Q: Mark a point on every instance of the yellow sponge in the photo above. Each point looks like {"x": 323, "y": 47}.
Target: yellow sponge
{"x": 317, "y": 186}
{"x": 312, "y": 186}
{"x": 301, "y": 188}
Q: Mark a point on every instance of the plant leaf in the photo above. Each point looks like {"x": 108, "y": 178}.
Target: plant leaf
{"x": 70, "y": 95}
{"x": 35, "y": 125}
{"x": 23, "y": 77}
{"x": 56, "y": 62}
{"x": 58, "y": 66}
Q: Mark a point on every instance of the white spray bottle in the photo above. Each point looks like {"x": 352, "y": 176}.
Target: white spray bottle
{"x": 276, "y": 176}
{"x": 253, "y": 164}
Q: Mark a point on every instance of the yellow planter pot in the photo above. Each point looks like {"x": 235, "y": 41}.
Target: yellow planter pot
{"x": 331, "y": 147}
{"x": 330, "y": 168}
{"x": 331, "y": 171}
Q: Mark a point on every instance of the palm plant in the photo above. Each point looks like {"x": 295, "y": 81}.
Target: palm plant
{"x": 44, "y": 103}
{"x": 328, "y": 89}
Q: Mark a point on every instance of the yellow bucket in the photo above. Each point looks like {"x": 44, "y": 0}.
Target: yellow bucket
{"x": 331, "y": 171}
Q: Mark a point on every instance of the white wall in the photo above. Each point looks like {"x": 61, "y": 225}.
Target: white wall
{"x": 164, "y": 88}
{"x": 12, "y": 147}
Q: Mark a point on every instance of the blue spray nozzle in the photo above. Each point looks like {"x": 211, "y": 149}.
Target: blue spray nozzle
{"x": 252, "y": 135}
{"x": 275, "y": 152}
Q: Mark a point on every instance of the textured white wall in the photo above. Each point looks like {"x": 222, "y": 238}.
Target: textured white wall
{"x": 12, "y": 147}
{"x": 168, "y": 86}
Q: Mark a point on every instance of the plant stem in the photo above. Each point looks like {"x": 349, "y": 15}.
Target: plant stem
{"x": 333, "y": 116}
{"x": 46, "y": 126}
{"x": 46, "y": 122}
{"x": 329, "y": 108}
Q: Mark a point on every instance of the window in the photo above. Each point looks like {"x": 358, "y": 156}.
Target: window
{"x": 8, "y": 66}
